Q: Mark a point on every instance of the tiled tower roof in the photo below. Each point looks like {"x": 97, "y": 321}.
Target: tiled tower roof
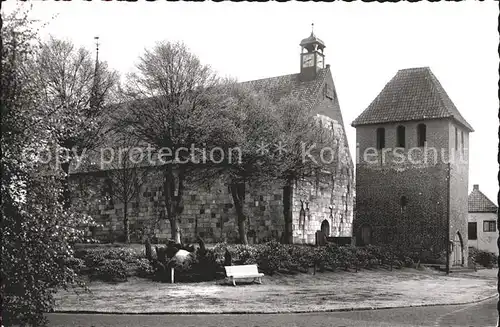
{"x": 412, "y": 94}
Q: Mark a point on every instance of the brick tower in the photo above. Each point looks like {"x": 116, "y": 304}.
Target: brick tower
{"x": 412, "y": 170}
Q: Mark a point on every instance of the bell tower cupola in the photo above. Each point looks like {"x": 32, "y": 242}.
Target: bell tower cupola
{"x": 312, "y": 58}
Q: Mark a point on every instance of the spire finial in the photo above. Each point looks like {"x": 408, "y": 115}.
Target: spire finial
{"x": 312, "y": 28}
{"x": 96, "y": 38}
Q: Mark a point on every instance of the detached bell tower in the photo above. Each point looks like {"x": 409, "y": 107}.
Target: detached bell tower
{"x": 312, "y": 58}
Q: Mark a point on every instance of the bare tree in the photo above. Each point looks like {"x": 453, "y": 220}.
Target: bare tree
{"x": 127, "y": 174}
{"x": 73, "y": 90}
{"x": 166, "y": 102}
{"x": 306, "y": 137}
{"x": 252, "y": 130}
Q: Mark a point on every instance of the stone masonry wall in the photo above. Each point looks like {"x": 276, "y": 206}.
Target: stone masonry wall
{"x": 209, "y": 211}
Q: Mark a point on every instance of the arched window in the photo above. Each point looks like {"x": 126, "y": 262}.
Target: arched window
{"x": 403, "y": 201}
{"x": 366, "y": 234}
{"x": 380, "y": 138}
{"x": 421, "y": 134}
{"x": 401, "y": 137}
{"x": 456, "y": 139}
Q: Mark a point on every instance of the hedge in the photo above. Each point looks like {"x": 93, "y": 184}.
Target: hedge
{"x": 116, "y": 264}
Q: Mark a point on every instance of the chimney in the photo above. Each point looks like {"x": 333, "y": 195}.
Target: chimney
{"x": 476, "y": 187}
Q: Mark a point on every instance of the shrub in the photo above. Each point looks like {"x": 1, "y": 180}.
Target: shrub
{"x": 144, "y": 268}
{"x": 125, "y": 254}
{"x": 273, "y": 256}
{"x": 218, "y": 252}
{"x": 76, "y": 264}
{"x": 346, "y": 257}
{"x": 206, "y": 265}
{"x": 361, "y": 258}
{"x": 332, "y": 255}
{"x": 483, "y": 258}
{"x": 301, "y": 256}
{"x": 111, "y": 270}
{"x": 374, "y": 256}
{"x": 94, "y": 257}
{"x": 245, "y": 255}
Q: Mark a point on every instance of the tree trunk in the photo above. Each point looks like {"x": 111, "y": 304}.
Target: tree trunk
{"x": 173, "y": 201}
{"x": 66, "y": 193}
{"x": 287, "y": 210}
{"x": 126, "y": 227}
{"x": 238, "y": 194}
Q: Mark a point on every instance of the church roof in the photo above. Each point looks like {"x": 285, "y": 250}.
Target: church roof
{"x": 478, "y": 202}
{"x": 412, "y": 94}
{"x": 291, "y": 85}
{"x": 307, "y": 91}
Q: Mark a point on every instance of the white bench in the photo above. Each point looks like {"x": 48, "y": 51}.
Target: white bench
{"x": 242, "y": 272}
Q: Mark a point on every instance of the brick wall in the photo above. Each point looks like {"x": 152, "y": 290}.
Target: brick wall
{"x": 422, "y": 177}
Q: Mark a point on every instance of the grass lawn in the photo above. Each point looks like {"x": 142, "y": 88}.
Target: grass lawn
{"x": 282, "y": 293}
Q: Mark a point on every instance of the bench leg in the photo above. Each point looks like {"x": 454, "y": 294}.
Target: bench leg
{"x": 234, "y": 282}
{"x": 258, "y": 280}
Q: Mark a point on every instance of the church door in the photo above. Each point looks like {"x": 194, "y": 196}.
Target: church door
{"x": 325, "y": 227}
{"x": 457, "y": 254}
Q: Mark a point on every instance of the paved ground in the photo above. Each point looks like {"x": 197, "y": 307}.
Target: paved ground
{"x": 481, "y": 314}
{"x": 284, "y": 293}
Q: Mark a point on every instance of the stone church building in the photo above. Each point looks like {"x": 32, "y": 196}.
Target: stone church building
{"x": 412, "y": 170}
{"x": 209, "y": 211}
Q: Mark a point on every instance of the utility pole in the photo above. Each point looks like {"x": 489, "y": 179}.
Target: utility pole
{"x": 447, "y": 244}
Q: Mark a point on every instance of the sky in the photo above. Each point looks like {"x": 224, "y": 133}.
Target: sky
{"x": 366, "y": 44}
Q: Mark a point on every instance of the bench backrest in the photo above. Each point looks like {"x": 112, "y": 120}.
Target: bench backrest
{"x": 241, "y": 270}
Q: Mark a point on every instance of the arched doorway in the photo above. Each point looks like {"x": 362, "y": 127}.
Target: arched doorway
{"x": 366, "y": 234}
{"x": 325, "y": 227}
{"x": 457, "y": 253}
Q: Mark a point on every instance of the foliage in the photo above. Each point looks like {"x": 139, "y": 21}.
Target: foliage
{"x": 144, "y": 268}
{"x": 245, "y": 254}
{"x": 37, "y": 231}
{"x": 167, "y": 108}
{"x": 272, "y": 257}
{"x": 303, "y": 257}
{"x": 93, "y": 257}
{"x": 484, "y": 258}
{"x": 305, "y": 135}
{"x": 251, "y": 128}
{"x": 111, "y": 270}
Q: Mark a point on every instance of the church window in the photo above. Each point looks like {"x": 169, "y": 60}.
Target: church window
{"x": 401, "y": 136}
{"x": 380, "y": 138}
{"x": 421, "y": 134}
{"x": 456, "y": 139}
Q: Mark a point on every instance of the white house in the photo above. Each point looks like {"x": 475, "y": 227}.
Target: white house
{"x": 482, "y": 222}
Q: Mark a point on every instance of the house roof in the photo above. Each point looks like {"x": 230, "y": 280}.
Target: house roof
{"x": 478, "y": 202}
{"x": 412, "y": 94}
